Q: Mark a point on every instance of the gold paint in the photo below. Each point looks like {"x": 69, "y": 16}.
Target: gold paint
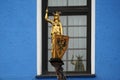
{"x": 56, "y": 30}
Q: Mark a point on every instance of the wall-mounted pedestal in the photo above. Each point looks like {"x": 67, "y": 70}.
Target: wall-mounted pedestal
{"x": 57, "y": 64}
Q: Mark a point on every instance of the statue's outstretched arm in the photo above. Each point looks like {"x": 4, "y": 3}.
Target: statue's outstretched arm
{"x": 46, "y": 17}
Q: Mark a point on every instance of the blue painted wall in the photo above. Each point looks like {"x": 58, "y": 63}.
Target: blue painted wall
{"x": 18, "y": 40}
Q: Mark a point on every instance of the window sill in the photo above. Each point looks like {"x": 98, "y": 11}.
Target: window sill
{"x": 68, "y": 76}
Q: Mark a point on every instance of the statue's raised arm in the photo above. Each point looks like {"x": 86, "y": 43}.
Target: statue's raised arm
{"x": 46, "y": 17}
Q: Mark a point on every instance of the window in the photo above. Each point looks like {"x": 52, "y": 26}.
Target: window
{"x": 77, "y": 24}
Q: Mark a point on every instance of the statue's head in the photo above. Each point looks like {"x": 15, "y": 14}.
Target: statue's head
{"x": 79, "y": 57}
{"x": 57, "y": 15}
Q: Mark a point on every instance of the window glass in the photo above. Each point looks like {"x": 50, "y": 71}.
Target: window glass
{"x": 77, "y": 43}
{"x": 76, "y": 24}
{"x": 77, "y": 20}
{"x": 67, "y": 2}
{"x": 77, "y": 31}
{"x": 75, "y": 67}
{"x": 77, "y": 2}
{"x": 76, "y": 28}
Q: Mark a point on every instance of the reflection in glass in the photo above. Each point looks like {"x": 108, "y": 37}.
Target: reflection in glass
{"x": 76, "y": 53}
{"x": 49, "y": 43}
{"x": 63, "y": 20}
{"x": 49, "y": 54}
{"x": 65, "y": 55}
{"x": 78, "y": 66}
{"x": 67, "y": 2}
{"x": 77, "y": 2}
{"x": 57, "y": 2}
{"x": 77, "y": 43}
{"x": 49, "y": 31}
{"x": 77, "y": 20}
{"x": 64, "y": 30}
{"x": 77, "y": 31}
{"x": 50, "y": 68}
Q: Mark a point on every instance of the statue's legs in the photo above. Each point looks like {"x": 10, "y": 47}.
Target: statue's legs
{"x": 53, "y": 51}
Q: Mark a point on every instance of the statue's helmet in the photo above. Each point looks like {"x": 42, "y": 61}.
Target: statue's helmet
{"x": 57, "y": 13}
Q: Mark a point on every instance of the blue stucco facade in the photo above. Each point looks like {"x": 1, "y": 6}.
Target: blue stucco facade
{"x": 18, "y": 40}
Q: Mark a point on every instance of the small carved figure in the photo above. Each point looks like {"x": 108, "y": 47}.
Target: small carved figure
{"x": 79, "y": 66}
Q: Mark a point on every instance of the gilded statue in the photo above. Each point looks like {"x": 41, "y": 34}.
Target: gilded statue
{"x": 56, "y": 29}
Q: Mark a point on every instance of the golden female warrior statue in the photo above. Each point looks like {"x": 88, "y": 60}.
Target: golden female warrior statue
{"x": 56, "y": 30}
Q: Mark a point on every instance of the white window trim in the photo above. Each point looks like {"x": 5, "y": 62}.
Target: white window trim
{"x": 39, "y": 37}
{"x": 93, "y": 37}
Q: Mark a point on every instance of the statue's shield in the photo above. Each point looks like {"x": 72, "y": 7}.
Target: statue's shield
{"x": 61, "y": 44}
